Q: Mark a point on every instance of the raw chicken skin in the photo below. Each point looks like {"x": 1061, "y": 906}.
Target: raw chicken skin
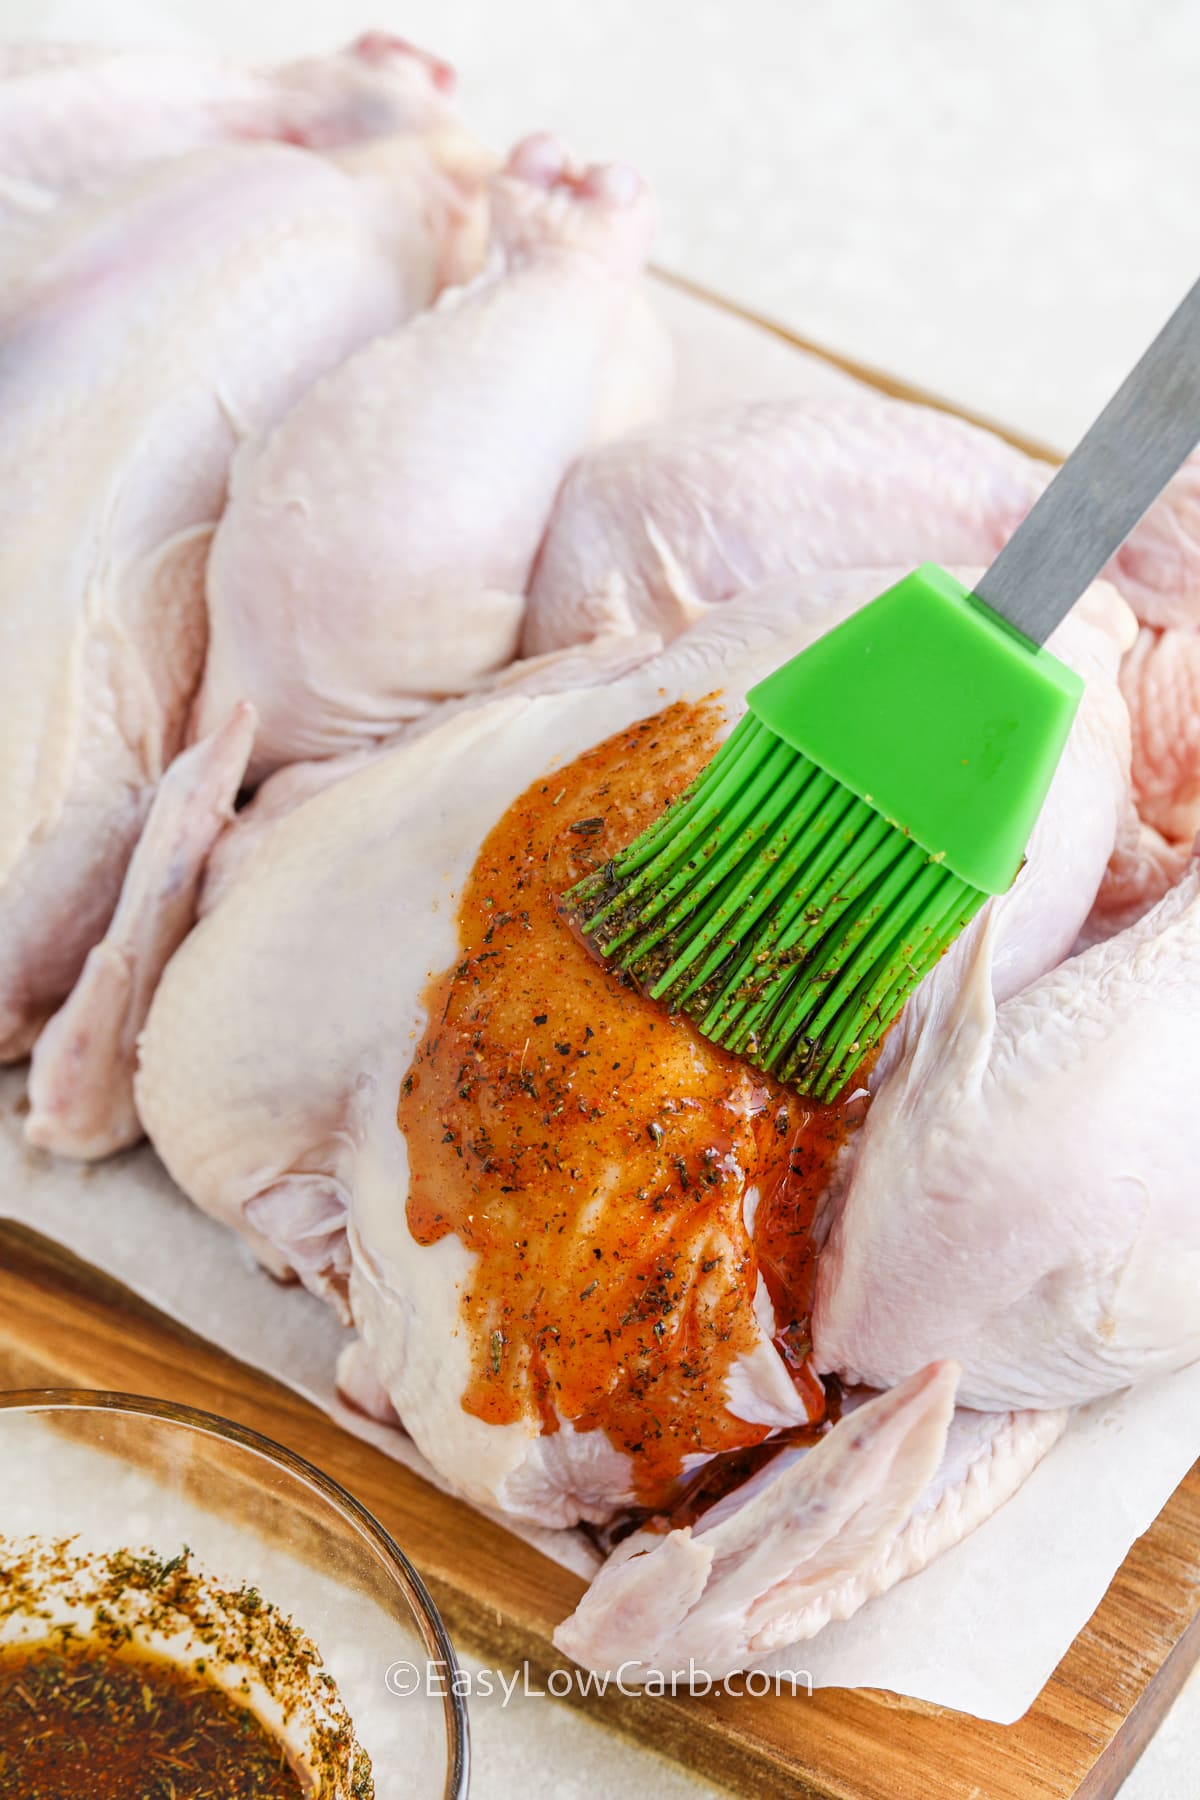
{"x": 76, "y": 119}
{"x": 898, "y": 1480}
{"x": 150, "y": 330}
{"x": 81, "y": 1077}
{"x": 561, "y": 671}
{"x": 341, "y": 911}
{"x": 1158, "y": 568}
{"x": 377, "y": 547}
{"x": 652, "y": 530}
{"x": 1161, "y": 683}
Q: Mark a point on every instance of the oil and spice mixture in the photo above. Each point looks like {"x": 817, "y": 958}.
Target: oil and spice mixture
{"x": 132, "y": 1676}
{"x": 86, "y": 1722}
{"x": 597, "y": 1152}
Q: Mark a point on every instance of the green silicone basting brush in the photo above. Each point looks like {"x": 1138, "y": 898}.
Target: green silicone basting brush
{"x": 885, "y": 781}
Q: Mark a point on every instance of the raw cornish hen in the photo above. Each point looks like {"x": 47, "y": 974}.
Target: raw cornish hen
{"x": 74, "y": 119}
{"x": 580, "y": 1268}
{"x": 376, "y": 548}
{"x": 150, "y": 329}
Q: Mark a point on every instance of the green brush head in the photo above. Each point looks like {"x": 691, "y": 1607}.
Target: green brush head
{"x": 882, "y": 784}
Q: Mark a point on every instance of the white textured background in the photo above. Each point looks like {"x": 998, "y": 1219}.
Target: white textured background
{"x": 997, "y": 201}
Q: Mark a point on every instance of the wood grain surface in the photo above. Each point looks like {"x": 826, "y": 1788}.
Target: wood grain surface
{"x": 64, "y": 1324}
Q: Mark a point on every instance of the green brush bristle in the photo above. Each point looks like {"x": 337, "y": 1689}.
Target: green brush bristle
{"x": 787, "y": 917}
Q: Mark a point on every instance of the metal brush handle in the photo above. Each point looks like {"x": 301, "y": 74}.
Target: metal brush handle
{"x": 1123, "y": 462}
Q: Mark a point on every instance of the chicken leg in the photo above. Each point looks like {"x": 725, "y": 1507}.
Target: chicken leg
{"x": 376, "y": 548}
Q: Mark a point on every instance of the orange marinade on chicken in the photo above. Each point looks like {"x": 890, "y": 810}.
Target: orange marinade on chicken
{"x": 596, "y": 1151}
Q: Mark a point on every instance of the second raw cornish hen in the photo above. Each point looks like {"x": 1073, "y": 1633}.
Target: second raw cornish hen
{"x": 376, "y": 548}
{"x": 147, "y": 331}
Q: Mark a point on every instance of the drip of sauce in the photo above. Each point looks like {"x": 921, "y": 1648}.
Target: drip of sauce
{"x": 696, "y": 1493}
{"x": 84, "y": 1721}
{"x": 596, "y": 1151}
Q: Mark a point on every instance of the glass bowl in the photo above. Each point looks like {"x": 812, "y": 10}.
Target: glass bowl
{"x": 194, "y": 1538}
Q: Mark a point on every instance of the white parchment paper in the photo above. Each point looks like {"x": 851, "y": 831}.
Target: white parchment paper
{"x": 980, "y": 1630}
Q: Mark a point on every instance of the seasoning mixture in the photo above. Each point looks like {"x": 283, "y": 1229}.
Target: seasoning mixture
{"x": 90, "y": 1713}
{"x": 597, "y": 1151}
{"x": 86, "y": 1722}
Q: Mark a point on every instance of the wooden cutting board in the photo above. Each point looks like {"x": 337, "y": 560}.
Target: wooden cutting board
{"x": 62, "y": 1323}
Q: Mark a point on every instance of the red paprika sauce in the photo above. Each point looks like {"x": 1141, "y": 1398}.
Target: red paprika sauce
{"x": 595, "y": 1151}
